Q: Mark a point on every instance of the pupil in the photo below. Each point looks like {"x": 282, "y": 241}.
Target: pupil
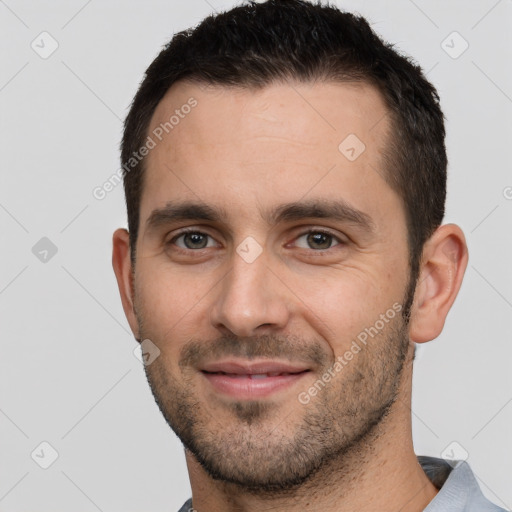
{"x": 195, "y": 239}
{"x": 317, "y": 238}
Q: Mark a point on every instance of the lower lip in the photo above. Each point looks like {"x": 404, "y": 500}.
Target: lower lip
{"x": 246, "y": 387}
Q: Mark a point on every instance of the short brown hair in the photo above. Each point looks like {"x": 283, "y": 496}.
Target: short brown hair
{"x": 256, "y": 44}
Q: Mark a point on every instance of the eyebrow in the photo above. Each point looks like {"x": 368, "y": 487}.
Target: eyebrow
{"x": 337, "y": 210}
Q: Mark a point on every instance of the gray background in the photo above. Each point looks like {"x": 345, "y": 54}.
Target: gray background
{"x": 69, "y": 376}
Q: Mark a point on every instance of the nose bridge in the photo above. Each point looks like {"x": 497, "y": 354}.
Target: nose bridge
{"x": 250, "y": 295}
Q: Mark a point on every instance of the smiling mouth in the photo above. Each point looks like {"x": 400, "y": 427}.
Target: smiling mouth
{"x": 250, "y": 381}
{"x": 255, "y": 375}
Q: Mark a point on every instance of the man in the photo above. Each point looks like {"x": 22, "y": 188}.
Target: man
{"x": 285, "y": 180}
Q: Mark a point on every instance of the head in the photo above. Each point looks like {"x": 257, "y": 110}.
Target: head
{"x": 259, "y": 123}
{"x": 255, "y": 45}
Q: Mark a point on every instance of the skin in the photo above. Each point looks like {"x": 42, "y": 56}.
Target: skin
{"x": 350, "y": 448}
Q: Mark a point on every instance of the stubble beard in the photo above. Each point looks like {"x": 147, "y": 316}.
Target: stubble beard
{"x": 268, "y": 448}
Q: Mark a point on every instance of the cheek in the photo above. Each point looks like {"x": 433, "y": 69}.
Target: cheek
{"x": 169, "y": 304}
{"x": 339, "y": 309}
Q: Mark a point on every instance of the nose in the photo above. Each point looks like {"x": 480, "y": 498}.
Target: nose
{"x": 251, "y": 299}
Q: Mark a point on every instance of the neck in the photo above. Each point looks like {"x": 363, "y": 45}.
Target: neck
{"x": 380, "y": 472}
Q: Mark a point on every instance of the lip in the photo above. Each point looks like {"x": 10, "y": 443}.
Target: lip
{"x": 252, "y": 367}
{"x": 247, "y": 380}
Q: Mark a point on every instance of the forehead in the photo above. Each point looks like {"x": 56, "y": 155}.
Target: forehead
{"x": 302, "y": 112}
{"x": 236, "y": 146}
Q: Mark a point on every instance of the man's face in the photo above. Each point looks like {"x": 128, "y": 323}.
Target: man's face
{"x": 267, "y": 285}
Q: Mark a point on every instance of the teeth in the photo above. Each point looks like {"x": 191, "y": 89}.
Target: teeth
{"x": 255, "y": 375}
{"x": 264, "y": 375}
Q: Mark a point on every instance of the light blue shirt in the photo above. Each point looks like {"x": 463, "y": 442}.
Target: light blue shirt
{"x": 458, "y": 489}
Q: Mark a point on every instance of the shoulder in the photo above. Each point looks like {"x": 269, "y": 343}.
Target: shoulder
{"x": 458, "y": 488}
{"x": 187, "y": 506}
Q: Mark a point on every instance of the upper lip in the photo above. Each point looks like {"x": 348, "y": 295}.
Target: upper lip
{"x": 253, "y": 367}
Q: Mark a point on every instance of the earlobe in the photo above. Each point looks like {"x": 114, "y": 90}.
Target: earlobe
{"x": 121, "y": 263}
{"x": 444, "y": 261}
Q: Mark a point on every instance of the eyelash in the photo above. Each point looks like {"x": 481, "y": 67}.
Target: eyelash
{"x": 308, "y": 232}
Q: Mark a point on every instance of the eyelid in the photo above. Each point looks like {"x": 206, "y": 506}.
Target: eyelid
{"x": 324, "y": 231}
{"x": 184, "y": 231}
{"x": 202, "y": 231}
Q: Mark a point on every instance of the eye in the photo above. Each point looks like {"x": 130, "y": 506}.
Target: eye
{"x": 318, "y": 240}
{"x": 192, "y": 240}
{"x": 315, "y": 239}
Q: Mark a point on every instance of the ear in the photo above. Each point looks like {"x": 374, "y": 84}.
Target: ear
{"x": 124, "y": 274}
{"x": 444, "y": 261}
